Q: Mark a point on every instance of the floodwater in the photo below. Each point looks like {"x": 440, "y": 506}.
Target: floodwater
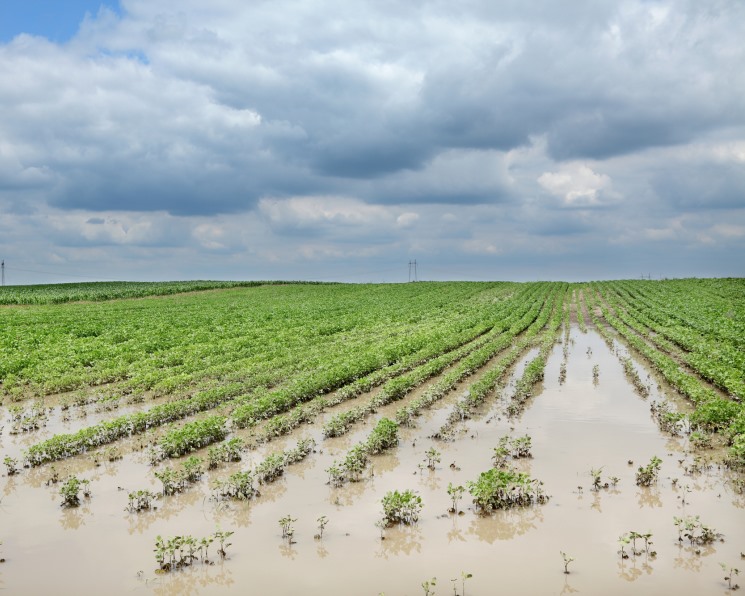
{"x": 575, "y": 426}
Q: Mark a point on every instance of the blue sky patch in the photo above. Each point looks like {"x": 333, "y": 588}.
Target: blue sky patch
{"x": 56, "y": 20}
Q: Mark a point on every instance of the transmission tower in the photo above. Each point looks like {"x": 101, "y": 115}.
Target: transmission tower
{"x": 412, "y": 270}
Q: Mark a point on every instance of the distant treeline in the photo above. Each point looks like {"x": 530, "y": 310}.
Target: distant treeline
{"x": 113, "y": 290}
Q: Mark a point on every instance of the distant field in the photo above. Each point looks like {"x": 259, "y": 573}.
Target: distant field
{"x": 193, "y": 397}
{"x": 112, "y": 290}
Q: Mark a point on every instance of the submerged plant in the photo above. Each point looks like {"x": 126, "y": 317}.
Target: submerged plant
{"x": 180, "y": 551}
{"x": 221, "y": 536}
{"x": 597, "y": 482}
{"x": 428, "y": 586}
{"x": 383, "y": 436}
{"x": 432, "y": 457}
{"x": 456, "y": 494}
{"x": 729, "y": 573}
{"x": 70, "y": 491}
{"x": 11, "y": 465}
{"x": 623, "y": 541}
{"x": 287, "y": 530}
{"x": 382, "y": 524}
{"x": 502, "y": 489}
{"x": 140, "y": 500}
{"x": 322, "y": 521}
{"x": 401, "y": 507}
{"x": 516, "y": 448}
{"x": 690, "y": 527}
{"x": 647, "y": 475}
{"x": 567, "y": 559}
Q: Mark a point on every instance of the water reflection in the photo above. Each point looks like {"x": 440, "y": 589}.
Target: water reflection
{"x": 430, "y": 480}
{"x": 691, "y": 558}
{"x": 568, "y": 588}
{"x": 273, "y": 491}
{"x": 385, "y": 463}
{"x": 321, "y": 551}
{"x": 234, "y": 513}
{"x": 634, "y": 567}
{"x": 164, "y": 508}
{"x": 403, "y": 540}
{"x": 505, "y": 525}
{"x": 455, "y": 534}
{"x": 73, "y": 518}
{"x": 10, "y": 486}
{"x": 649, "y": 497}
{"x": 192, "y": 580}
{"x": 287, "y": 549}
{"x": 345, "y": 496}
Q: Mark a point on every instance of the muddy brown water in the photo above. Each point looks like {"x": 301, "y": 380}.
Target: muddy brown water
{"x": 575, "y": 426}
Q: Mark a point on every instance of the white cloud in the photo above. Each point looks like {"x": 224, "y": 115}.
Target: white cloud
{"x": 407, "y": 220}
{"x": 306, "y": 212}
{"x": 576, "y": 184}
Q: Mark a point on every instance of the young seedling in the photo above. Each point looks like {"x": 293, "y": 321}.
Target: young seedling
{"x": 70, "y": 491}
{"x": 729, "y": 573}
{"x": 221, "y": 536}
{"x": 647, "y": 537}
{"x": 697, "y": 533}
{"x": 597, "y": 482}
{"x": 463, "y": 577}
{"x": 633, "y": 536}
{"x": 647, "y": 475}
{"x": 204, "y": 545}
{"x": 54, "y": 478}
{"x": 623, "y": 541}
{"x": 456, "y": 494}
{"x": 501, "y": 453}
{"x": 567, "y": 559}
{"x": 140, "y": 499}
{"x": 401, "y": 507}
{"x": 428, "y": 586}
{"x": 432, "y": 457}
{"x": 11, "y": 464}
{"x": 322, "y": 521}
{"x": 287, "y": 530}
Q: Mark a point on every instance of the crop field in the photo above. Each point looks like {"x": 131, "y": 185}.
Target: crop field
{"x": 423, "y": 438}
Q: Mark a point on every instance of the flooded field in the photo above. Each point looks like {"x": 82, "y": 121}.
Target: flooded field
{"x": 593, "y": 419}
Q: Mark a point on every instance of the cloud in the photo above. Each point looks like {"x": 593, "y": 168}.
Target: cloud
{"x": 313, "y": 130}
{"x": 576, "y": 184}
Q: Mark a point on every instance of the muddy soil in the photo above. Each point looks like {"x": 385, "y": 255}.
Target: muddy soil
{"x": 577, "y": 425}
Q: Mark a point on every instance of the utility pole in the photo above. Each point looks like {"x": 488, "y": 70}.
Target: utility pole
{"x": 2, "y": 268}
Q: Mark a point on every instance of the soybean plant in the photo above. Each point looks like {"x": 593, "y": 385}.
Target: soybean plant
{"x": 567, "y": 559}
{"x": 322, "y": 521}
{"x": 729, "y": 572}
{"x": 456, "y": 494}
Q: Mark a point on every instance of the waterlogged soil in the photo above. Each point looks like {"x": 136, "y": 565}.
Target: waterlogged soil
{"x": 577, "y": 425}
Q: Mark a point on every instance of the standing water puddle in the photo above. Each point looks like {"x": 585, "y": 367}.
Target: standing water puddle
{"x": 575, "y": 426}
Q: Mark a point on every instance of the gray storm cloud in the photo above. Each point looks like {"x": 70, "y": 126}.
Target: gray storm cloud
{"x": 568, "y": 129}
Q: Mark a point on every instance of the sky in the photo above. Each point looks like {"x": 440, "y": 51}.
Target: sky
{"x": 327, "y": 140}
